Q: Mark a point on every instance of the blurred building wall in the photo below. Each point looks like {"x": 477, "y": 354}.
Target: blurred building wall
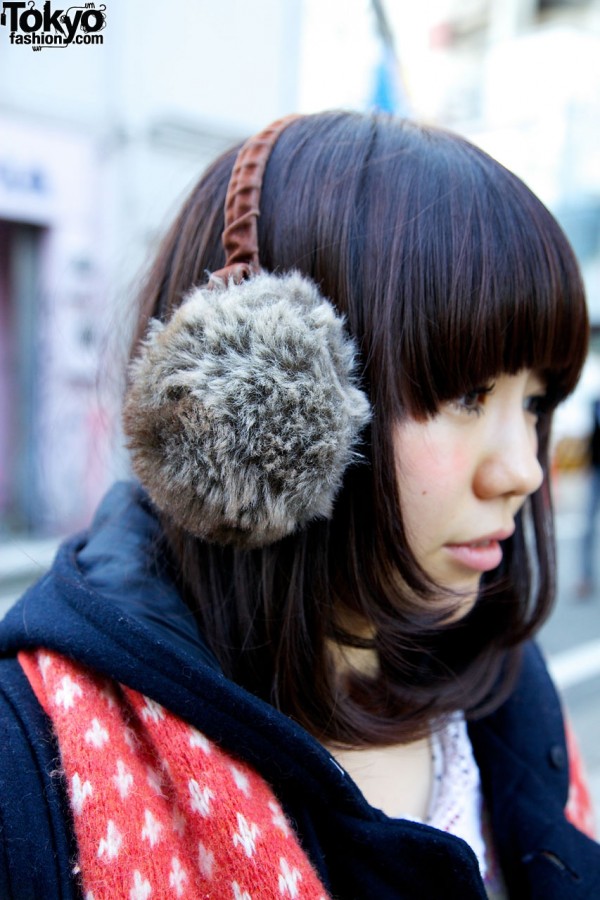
{"x": 98, "y": 145}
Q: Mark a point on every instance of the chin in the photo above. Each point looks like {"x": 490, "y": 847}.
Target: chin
{"x": 461, "y": 603}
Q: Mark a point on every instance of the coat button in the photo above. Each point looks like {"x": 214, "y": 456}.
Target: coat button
{"x": 558, "y": 756}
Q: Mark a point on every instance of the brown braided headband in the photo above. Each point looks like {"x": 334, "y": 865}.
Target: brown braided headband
{"x": 242, "y": 204}
{"x": 243, "y": 409}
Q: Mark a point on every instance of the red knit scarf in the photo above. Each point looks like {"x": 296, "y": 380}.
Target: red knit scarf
{"x": 160, "y": 811}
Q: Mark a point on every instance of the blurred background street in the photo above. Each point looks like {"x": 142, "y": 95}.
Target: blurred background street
{"x": 100, "y": 141}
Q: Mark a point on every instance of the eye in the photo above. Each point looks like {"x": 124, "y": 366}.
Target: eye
{"x": 537, "y": 405}
{"x": 473, "y": 401}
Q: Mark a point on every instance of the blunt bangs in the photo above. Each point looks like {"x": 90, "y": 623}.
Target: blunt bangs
{"x": 479, "y": 278}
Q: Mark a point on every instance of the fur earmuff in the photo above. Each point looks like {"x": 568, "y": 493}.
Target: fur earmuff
{"x": 244, "y": 408}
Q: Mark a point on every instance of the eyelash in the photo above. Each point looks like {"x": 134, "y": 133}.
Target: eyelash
{"x": 472, "y": 402}
{"x": 538, "y": 405}
{"x": 476, "y": 396}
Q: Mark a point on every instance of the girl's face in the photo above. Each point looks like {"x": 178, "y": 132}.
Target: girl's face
{"x": 463, "y": 476}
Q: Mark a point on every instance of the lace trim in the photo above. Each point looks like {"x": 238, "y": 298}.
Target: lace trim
{"x": 456, "y": 804}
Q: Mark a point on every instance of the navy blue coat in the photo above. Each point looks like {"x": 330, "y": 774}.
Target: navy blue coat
{"x": 108, "y": 604}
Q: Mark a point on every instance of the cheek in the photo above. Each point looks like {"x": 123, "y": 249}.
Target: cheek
{"x": 429, "y": 467}
{"x": 454, "y": 464}
{"x": 430, "y": 486}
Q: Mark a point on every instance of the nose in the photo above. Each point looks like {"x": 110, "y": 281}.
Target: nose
{"x": 510, "y": 466}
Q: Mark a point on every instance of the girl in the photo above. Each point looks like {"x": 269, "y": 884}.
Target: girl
{"x": 293, "y": 658}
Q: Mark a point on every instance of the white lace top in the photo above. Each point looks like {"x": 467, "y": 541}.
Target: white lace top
{"x": 456, "y": 804}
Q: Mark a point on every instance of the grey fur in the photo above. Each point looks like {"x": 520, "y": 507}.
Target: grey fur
{"x": 243, "y": 409}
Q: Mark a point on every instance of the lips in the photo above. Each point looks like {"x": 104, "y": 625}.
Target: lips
{"x": 481, "y": 555}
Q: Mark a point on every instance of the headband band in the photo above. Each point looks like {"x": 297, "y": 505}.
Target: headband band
{"x": 242, "y": 204}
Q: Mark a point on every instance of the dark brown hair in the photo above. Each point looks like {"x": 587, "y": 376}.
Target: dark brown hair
{"x": 450, "y": 272}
